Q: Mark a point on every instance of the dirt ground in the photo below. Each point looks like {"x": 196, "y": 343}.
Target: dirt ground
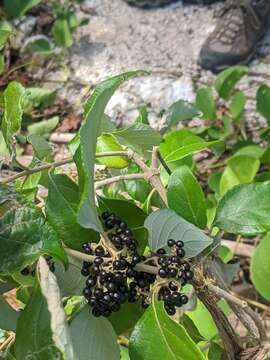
{"x": 166, "y": 41}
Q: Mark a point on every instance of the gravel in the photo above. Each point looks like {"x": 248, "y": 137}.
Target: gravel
{"x": 165, "y": 41}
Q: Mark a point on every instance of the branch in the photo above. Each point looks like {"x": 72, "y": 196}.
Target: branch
{"x": 57, "y": 164}
{"x": 115, "y": 179}
{"x": 243, "y": 305}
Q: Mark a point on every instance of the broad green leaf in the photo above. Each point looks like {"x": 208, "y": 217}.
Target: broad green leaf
{"x": 41, "y": 96}
{"x": 241, "y": 169}
{"x": 61, "y": 211}
{"x": 24, "y": 236}
{"x": 11, "y": 122}
{"x": 41, "y": 46}
{"x": 203, "y": 321}
{"x": 263, "y": 102}
{"x": 108, "y": 142}
{"x": 237, "y": 104}
{"x": 44, "y": 127}
{"x": 137, "y": 189}
{"x": 70, "y": 281}
{"x": 124, "y": 320}
{"x": 186, "y": 198}
{"x": 5, "y": 31}
{"x": 254, "y": 151}
{"x": 93, "y": 338}
{"x": 44, "y": 318}
{"x": 62, "y": 33}
{"x": 190, "y": 149}
{"x": 165, "y": 224}
{"x": 17, "y": 8}
{"x": 245, "y": 209}
{"x": 181, "y": 110}
{"x": 8, "y": 316}
{"x": 140, "y": 136}
{"x": 41, "y": 147}
{"x": 29, "y": 186}
{"x": 260, "y": 267}
{"x": 228, "y": 78}
{"x": 156, "y": 336}
{"x": 214, "y": 181}
{"x": 205, "y": 102}
{"x": 86, "y": 154}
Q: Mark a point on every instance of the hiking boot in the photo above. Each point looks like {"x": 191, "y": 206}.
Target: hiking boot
{"x": 157, "y": 3}
{"x": 240, "y": 26}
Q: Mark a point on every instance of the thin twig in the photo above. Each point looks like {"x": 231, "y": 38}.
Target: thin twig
{"x": 115, "y": 179}
{"x": 163, "y": 163}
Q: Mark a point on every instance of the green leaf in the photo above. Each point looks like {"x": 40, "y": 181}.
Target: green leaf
{"x": 108, "y": 142}
{"x": 61, "y": 211}
{"x": 137, "y": 189}
{"x": 237, "y": 104}
{"x": 124, "y": 320}
{"x": 263, "y": 102}
{"x": 62, "y": 33}
{"x": 2, "y": 63}
{"x": 86, "y": 154}
{"x": 17, "y": 8}
{"x": 44, "y": 127}
{"x": 189, "y": 149}
{"x": 41, "y": 46}
{"x": 253, "y": 150}
{"x": 70, "y": 281}
{"x": 140, "y": 136}
{"x": 44, "y": 319}
{"x": 42, "y": 148}
{"x": 181, "y": 110}
{"x": 41, "y": 96}
{"x": 8, "y": 316}
{"x": 205, "y": 102}
{"x": 260, "y": 267}
{"x": 203, "y": 321}
{"x": 24, "y": 236}
{"x": 156, "y": 336}
{"x": 93, "y": 338}
{"x": 245, "y": 209}
{"x": 165, "y": 224}
{"x": 11, "y": 122}
{"x": 143, "y": 116}
{"x": 186, "y": 198}
{"x": 241, "y": 169}
{"x": 228, "y": 78}
{"x": 5, "y": 31}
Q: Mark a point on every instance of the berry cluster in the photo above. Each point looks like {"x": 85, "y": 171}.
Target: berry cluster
{"x": 173, "y": 267}
{"x": 113, "y": 279}
{"x": 31, "y": 270}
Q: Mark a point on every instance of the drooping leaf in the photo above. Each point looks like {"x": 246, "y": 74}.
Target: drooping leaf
{"x": 228, "y": 78}
{"x": 17, "y": 8}
{"x": 44, "y": 127}
{"x": 140, "y": 136}
{"x": 86, "y": 153}
{"x": 263, "y": 102}
{"x": 41, "y": 46}
{"x": 11, "y": 122}
{"x": 45, "y": 320}
{"x": 186, "y": 198}
{"x": 245, "y": 209}
{"x": 260, "y": 267}
{"x": 8, "y": 316}
{"x": 241, "y": 169}
{"x": 237, "y": 104}
{"x": 156, "y": 336}
{"x": 108, "y": 142}
{"x": 165, "y": 224}
{"x": 41, "y": 147}
{"x": 181, "y": 110}
{"x": 24, "y": 236}
{"x": 40, "y": 96}
{"x": 62, "y": 33}
{"x": 61, "y": 210}
{"x": 5, "y": 31}
{"x": 205, "y": 102}
{"x": 93, "y": 338}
